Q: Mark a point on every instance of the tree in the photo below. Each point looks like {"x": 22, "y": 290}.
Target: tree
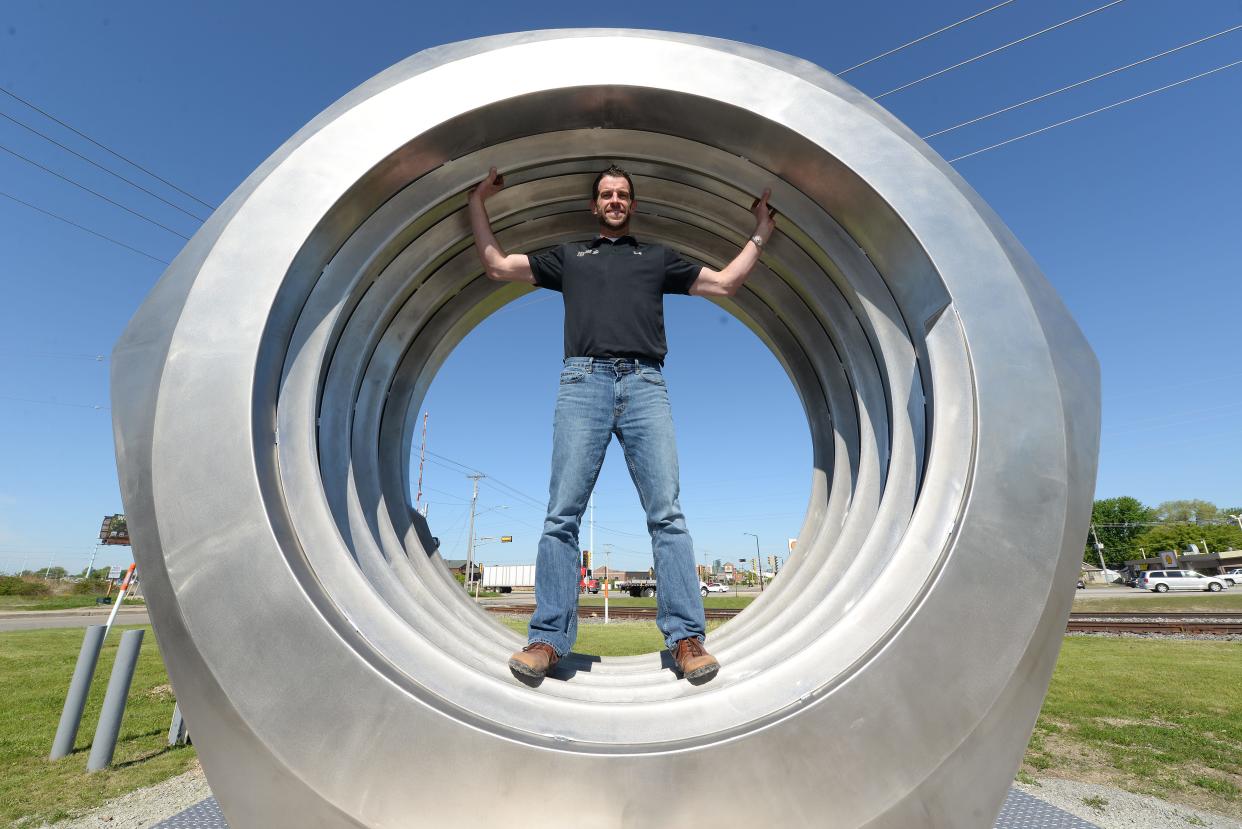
{"x": 1192, "y": 510}
{"x": 1181, "y": 536}
{"x": 1118, "y": 522}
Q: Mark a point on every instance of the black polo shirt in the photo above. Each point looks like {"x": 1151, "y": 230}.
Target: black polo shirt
{"x": 614, "y": 294}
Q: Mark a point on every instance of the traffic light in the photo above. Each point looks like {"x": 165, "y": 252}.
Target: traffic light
{"x": 506, "y": 539}
{"x": 586, "y": 561}
{"x": 772, "y": 562}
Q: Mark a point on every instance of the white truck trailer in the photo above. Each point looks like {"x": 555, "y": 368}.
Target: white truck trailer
{"x": 503, "y": 578}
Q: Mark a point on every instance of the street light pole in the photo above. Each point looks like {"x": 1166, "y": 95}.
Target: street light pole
{"x": 758, "y": 563}
{"x": 1237, "y": 518}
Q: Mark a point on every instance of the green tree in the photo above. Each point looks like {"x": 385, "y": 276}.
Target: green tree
{"x": 1190, "y": 510}
{"x": 1180, "y": 536}
{"x": 1118, "y": 522}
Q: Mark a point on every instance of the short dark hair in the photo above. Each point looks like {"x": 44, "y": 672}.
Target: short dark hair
{"x": 614, "y": 170}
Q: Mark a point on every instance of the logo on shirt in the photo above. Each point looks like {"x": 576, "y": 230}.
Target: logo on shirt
{"x": 588, "y": 252}
{"x": 637, "y": 252}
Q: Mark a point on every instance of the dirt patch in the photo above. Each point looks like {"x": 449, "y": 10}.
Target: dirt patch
{"x": 162, "y": 693}
{"x": 1066, "y": 759}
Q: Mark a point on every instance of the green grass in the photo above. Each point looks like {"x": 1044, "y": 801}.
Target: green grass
{"x": 713, "y": 601}
{"x": 66, "y": 602}
{"x": 1223, "y": 602}
{"x": 1161, "y": 717}
{"x": 35, "y": 667}
{"x": 613, "y": 639}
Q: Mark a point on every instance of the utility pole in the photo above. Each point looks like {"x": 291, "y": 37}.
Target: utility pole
{"x": 1099, "y": 548}
{"x": 422, "y": 459}
{"x": 91, "y": 566}
{"x": 474, "y": 499}
{"x": 758, "y": 558}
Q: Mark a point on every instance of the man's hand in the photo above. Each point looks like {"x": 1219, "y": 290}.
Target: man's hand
{"x": 489, "y": 186}
{"x": 765, "y": 217}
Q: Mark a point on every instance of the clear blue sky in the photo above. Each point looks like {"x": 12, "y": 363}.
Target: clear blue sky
{"x": 1133, "y": 215}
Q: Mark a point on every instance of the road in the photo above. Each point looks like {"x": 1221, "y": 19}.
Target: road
{"x": 1091, "y": 593}
{"x": 38, "y": 619}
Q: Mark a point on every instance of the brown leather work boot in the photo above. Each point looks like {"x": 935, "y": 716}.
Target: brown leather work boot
{"x": 693, "y": 660}
{"x": 534, "y": 660}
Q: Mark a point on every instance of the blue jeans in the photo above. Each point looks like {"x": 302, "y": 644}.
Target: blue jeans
{"x": 599, "y": 398}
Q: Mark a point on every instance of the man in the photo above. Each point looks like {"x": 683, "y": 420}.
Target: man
{"x": 611, "y": 384}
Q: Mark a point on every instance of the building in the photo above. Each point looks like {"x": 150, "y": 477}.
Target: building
{"x": 1209, "y": 564}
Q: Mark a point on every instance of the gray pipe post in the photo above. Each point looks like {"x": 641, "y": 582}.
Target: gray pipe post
{"x": 177, "y": 733}
{"x": 79, "y": 687}
{"x": 114, "y": 701}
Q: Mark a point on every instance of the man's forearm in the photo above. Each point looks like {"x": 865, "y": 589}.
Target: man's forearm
{"x": 485, "y": 244}
{"x": 734, "y": 274}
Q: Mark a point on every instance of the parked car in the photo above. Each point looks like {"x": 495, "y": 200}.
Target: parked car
{"x": 1233, "y": 576}
{"x": 712, "y": 587}
{"x": 1162, "y": 581}
{"x": 1081, "y": 586}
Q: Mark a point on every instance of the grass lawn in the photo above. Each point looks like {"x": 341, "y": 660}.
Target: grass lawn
{"x": 35, "y": 667}
{"x": 713, "y": 601}
{"x": 1161, "y": 717}
{"x": 615, "y": 638}
{"x": 66, "y": 602}
{"x": 1224, "y": 602}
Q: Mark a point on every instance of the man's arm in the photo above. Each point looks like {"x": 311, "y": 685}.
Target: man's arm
{"x": 505, "y": 267}
{"x": 726, "y": 282}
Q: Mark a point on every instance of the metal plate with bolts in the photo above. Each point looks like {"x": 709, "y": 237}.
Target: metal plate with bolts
{"x": 266, "y": 397}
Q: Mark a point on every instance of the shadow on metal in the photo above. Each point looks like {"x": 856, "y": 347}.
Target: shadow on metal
{"x": 266, "y": 396}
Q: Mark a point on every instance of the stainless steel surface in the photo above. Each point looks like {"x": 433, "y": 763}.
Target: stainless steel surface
{"x": 266, "y": 397}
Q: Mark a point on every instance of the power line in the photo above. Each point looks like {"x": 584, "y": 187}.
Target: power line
{"x": 95, "y": 406}
{"x": 1096, "y": 111}
{"x": 1081, "y": 83}
{"x": 107, "y": 149}
{"x": 96, "y": 164}
{"x": 924, "y": 37}
{"x": 998, "y": 49}
{"x": 82, "y": 227}
{"x": 97, "y": 358}
{"x": 515, "y": 492}
{"x": 95, "y": 193}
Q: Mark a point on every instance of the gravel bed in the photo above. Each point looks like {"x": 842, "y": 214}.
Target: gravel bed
{"x": 143, "y": 808}
{"x": 1204, "y": 637}
{"x": 1117, "y": 809}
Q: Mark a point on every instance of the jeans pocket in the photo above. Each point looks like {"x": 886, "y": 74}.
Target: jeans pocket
{"x": 653, "y": 377}
{"x": 572, "y": 375}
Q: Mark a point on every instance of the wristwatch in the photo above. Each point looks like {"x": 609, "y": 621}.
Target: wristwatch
{"x": 758, "y": 240}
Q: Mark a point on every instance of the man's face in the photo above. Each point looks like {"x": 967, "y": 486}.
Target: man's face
{"x": 613, "y": 204}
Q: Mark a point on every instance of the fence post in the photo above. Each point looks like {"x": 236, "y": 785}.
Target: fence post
{"x": 177, "y": 733}
{"x": 79, "y": 687}
{"x": 109, "y": 727}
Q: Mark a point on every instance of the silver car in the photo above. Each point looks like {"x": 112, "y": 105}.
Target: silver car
{"x": 1162, "y": 581}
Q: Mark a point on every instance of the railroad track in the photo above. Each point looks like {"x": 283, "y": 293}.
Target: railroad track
{"x": 1215, "y": 624}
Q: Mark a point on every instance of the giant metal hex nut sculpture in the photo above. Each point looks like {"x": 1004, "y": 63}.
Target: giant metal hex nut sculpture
{"x": 266, "y": 394}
